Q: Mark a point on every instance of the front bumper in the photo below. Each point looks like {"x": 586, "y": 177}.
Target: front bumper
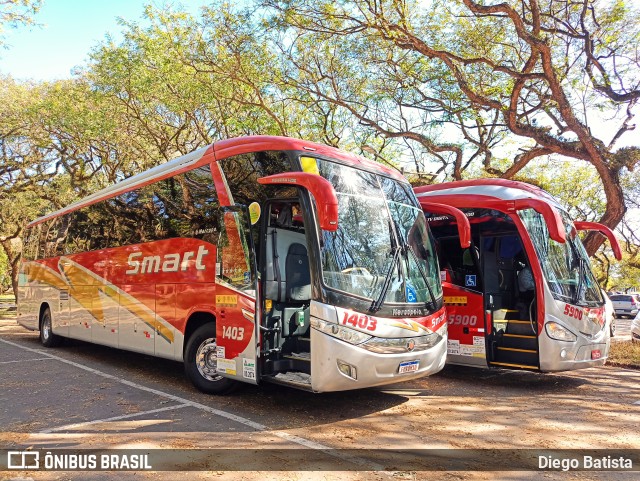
{"x": 373, "y": 369}
{"x": 566, "y": 356}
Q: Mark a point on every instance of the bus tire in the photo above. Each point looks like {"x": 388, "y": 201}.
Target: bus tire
{"x": 47, "y": 337}
{"x": 200, "y": 362}
{"x": 612, "y": 327}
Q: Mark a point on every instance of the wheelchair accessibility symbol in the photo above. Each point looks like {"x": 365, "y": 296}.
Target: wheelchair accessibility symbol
{"x": 412, "y": 296}
{"x": 470, "y": 280}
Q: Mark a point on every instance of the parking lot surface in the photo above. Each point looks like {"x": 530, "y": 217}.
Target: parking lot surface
{"x": 83, "y": 396}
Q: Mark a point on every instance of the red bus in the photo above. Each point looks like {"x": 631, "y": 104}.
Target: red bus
{"x": 517, "y": 281}
{"x": 252, "y": 259}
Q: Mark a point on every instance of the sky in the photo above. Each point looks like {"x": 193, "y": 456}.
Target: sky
{"x": 68, "y": 30}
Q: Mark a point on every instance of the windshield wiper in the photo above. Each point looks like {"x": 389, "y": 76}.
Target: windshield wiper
{"x": 395, "y": 250}
{"x": 431, "y": 305}
{"x": 406, "y": 249}
{"x": 377, "y": 304}
{"x": 581, "y": 272}
{"x": 581, "y": 276}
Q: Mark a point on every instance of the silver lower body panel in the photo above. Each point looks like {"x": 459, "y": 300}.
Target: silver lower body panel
{"x": 372, "y": 369}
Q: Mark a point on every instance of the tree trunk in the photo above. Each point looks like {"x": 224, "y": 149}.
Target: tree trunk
{"x": 615, "y": 207}
{"x": 13, "y": 249}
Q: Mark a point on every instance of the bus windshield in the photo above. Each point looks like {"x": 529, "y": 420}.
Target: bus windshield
{"x": 378, "y": 216}
{"x": 565, "y": 266}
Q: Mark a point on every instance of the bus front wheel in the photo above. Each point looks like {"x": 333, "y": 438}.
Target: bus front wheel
{"x": 47, "y": 337}
{"x": 200, "y": 362}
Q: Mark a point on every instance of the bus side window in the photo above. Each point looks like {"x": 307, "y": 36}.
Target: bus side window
{"x": 242, "y": 173}
{"x": 188, "y": 205}
{"x": 31, "y": 242}
{"x": 459, "y": 264}
{"x": 181, "y": 206}
{"x": 57, "y": 237}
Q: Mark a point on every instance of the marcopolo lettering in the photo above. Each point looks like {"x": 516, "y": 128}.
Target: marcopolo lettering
{"x": 173, "y": 262}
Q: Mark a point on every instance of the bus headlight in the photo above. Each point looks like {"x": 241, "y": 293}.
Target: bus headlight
{"x": 401, "y": 345}
{"x": 341, "y": 332}
{"x": 559, "y": 333}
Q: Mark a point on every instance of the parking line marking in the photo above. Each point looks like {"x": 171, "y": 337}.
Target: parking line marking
{"x": 115, "y": 418}
{"x": 307, "y": 443}
{"x": 26, "y": 360}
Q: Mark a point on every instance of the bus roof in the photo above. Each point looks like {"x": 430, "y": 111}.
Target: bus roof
{"x": 502, "y": 189}
{"x": 219, "y": 151}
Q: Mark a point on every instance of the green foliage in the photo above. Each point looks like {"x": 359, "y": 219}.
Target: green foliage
{"x": 580, "y": 191}
{"x": 17, "y": 12}
{"x": 5, "y": 271}
{"x": 427, "y": 85}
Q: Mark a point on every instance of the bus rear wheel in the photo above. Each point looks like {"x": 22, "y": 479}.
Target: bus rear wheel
{"x": 200, "y": 362}
{"x": 47, "y": 337}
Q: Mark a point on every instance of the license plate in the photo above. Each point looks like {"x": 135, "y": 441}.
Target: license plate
{"x": 408, "y": 366}
{"x": 596, "y": 354}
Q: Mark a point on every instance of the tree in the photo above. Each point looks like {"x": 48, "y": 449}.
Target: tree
{"x": 165, "y": 90}
{"x": 17, "y": 12}
{"x": 58, "y": 141}
{"x": 579, "y": 191}
{"x": 184, "y": 82}
{"x": 537, "y": 71}
{"x": 5, "y": 277}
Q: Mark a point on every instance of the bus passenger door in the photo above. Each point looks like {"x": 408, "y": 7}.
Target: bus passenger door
{"x": 510, "y": 307}
{"x": 463, "y": 297}
{"x": 236, "y": 297}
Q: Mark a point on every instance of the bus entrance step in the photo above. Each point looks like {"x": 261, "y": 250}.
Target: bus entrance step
{"x": 298, "y": 380}
{"x": 299, "y": 356}
{"x": 505, "y": 314}
{"x": 520, "y": 327}
{"x": 519, "y": 341}
{"x": 514, "y": 366}
{"x": 515, "y": 326}
{"x": 303, "y": 344}
{"x": 511, "y": 355}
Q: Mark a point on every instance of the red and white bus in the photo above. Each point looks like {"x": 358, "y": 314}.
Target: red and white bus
{"x": 252, "y": 259}
{"x": 517, "y": 281}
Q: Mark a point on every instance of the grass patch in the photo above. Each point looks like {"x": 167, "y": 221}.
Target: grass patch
{"x": 6, "y": 313}
{"x": 625, "y": 354}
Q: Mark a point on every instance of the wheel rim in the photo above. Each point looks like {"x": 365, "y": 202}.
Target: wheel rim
{"x": 46, "y": 328}
{"x": 206, "y": 360}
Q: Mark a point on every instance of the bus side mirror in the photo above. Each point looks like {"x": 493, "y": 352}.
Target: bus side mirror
{"x": 550, "y": 214}
{"x": 319, "y": 187}
{"x": 603, "y": 229}
{"x": 464, "y": 228}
